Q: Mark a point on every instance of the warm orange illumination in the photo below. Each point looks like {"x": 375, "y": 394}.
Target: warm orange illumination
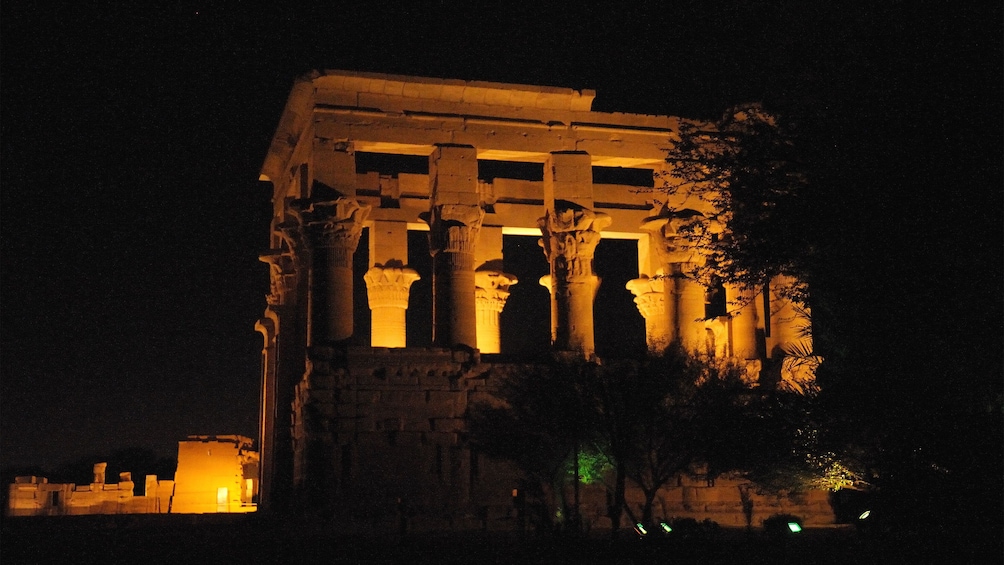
{"x": 212, "y": 475}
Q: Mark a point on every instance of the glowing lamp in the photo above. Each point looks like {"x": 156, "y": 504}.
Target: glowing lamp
{"x": 865, "y": 514}
{"x": 640, "y": 529}
{"x": 794, "y": 527}
{"x": 665, "y": 527}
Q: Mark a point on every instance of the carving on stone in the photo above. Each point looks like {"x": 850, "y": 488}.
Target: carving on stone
{"x": 282, "y": 277}
{"x": 678, "y": 234}
{"x": 650, "y": 296}
{"x": 389, "y": 287}
{"x": 335, "y": 224}
{"x": 492, "y": 289}
{"x": 570, "y": 236}
{"x": 453, "y": 228}
{"x": 491, "y": 292}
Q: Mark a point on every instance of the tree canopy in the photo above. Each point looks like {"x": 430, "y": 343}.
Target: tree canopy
{"x": 749, "y": 166}
{"x": 645, "y": 422}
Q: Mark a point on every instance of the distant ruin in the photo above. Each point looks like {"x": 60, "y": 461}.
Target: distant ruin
{"x": 357, "y": 429}
{"x": 216, "y": 474}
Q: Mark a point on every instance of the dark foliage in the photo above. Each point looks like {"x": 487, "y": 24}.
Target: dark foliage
{"x": 749, "y": 166}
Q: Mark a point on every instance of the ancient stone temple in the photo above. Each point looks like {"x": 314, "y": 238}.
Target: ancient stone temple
{"x": 364, "y": 422}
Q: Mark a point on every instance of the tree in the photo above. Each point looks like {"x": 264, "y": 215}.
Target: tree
{"x": 540, "y": 425}
{"x": 748, "y": 166}
{"x": 647, "y": 421}
{"x": 639, "y": 408}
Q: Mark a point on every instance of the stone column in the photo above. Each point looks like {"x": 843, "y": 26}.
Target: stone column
{"x": 788, "y": 319}
{"x": 282, "y": 367}
{"x": 388, "y": 289}
{"x": 570, "y": 231}
{"x": 492, "y": 287}
{"x": 650, "y": 297}
{"x": 453, "y": 234}
{"x": 454, "y": 219}
{"x": 569, "y": 241}
{"x": 690, "y": 296}
{"x": 676, "y": 237}
{"x": 491, "y": 293}
{"x": 742, "y": 321}
{"x": 331, "y": 233}
{"x": 388, "y": 283}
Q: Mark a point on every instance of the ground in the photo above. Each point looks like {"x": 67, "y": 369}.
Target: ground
{"x": 253, "y": 539}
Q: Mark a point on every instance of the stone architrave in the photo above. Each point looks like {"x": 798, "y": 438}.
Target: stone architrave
{"x": 388, "y": 289}
{"x": 491, "y": 293}
{"x": 650, "y": 297}
{"x": 570, "y": 236}
{"x": 453, "y": 236}
{"x": 330, "y": 231}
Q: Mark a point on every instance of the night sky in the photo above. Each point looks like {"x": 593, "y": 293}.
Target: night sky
{"x": 132, "y": 217}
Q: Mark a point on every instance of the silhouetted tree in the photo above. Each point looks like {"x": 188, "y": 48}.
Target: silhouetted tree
{"x": 749, "y": 166}
{"x": 538, "y": 424}
{"x": 640, "y": 410}
{"x": 650, "y": 420}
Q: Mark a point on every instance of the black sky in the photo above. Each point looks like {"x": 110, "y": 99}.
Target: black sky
{"x": 132, "y": 138}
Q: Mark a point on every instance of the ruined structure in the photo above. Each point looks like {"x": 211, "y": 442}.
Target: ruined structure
{"x": 36, "y": 496}
{"x": 362, "y": 425}
{"x": 216, "y": 474}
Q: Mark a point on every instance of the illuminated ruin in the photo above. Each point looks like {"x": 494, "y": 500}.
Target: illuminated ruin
{"x": 358, "y": 427}
{"x": 216, "y": 474}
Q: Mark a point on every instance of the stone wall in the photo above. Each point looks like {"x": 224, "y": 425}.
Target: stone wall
{"x": 390, "y": 435}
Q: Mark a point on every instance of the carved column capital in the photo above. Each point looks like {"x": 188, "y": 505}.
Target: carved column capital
{"x": 389, "y": 287}
{"x": 453, "y": 238}
{"x": 569, "y": 239}
{"x": 570, "y": 235}
{"x": 453, "y": 228}
{"x": 492, "y": 289}
{"x": 650, "y": 296}
{"x": 680, "y": 236}
{"x": 334, "y": 224}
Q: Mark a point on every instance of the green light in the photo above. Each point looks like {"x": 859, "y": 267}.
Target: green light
{"x": 865, "y": 514}
{"x": 665, "y": 527}
{"x": 592, "y": 467}
{"x": 641, "y": 529}
{"x": 794, "y": 527}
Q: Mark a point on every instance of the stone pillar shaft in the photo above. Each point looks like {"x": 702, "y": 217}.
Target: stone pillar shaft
{"x": 690, "y": 313}
{"x": 331, "y": 233}
{"x": 331, "y": 289}
{"x": 743, "y": 321}
{"x": 454, "y": 313}
{"x": 454, "y": 217}
{"x": 570, "y": 231}
{"x": 569, "y": 241}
